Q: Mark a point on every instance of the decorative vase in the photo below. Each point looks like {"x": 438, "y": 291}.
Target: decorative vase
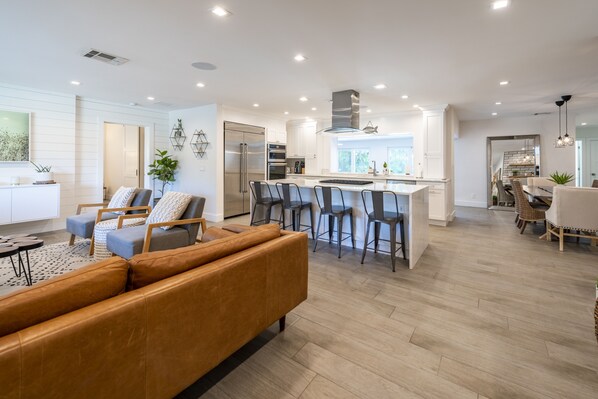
{"x": 41, "y": 177}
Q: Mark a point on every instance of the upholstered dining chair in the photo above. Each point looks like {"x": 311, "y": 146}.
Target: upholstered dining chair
{"x": 503, "y": 196}
{"x": 524, "y": 209}
{"x": 158, "y": 236}
{"x": 82, "y": 224}
{"x": 540, "y": 182}
{"x": 595, "y": 184}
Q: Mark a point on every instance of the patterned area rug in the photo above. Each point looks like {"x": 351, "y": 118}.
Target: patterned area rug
{"x": 46, "y": 262}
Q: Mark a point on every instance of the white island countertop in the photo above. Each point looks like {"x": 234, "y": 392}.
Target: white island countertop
{"x": 397, "y": 188}
{"x": 365, "y": 176}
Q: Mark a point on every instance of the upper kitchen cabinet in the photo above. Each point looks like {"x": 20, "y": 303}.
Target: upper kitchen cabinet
{"x": 276, "y": 136}
{"x": 438, "y": 142}
{"x": 301, "y": 140}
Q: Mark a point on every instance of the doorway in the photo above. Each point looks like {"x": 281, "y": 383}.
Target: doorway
{"x": 593, "y": 144}
{"x": 123, "y": 157}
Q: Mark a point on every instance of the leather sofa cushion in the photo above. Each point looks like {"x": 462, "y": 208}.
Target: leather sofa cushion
{"x": 151, "y": 267}
{"x": 215, "y": 233}
{"x": 238, "y": 228}
{"x": 61, "y": 295}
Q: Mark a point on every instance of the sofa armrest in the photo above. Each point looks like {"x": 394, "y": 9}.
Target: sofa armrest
{"x": 80, "y": 207}
{"x": 152, "y": 226}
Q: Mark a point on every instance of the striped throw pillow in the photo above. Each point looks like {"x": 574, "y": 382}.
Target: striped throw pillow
{"x": 122, "y": 198}
{"x": 170, "y": 207}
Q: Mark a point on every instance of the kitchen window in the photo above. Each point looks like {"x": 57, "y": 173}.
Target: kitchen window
{"x": 355, "y": 160}
{"x": 400, "y": 160}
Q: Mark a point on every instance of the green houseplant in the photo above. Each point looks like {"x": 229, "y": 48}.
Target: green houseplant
{"x": 561, "y": 178}
{"x": 163, "y": 168}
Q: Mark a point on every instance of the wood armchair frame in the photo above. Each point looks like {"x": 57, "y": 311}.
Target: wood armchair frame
{"x": 152, "y": 226}
{"x": 145, "y": 208}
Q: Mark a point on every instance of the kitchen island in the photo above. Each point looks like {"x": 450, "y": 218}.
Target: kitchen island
{"x": 413, "y": 202}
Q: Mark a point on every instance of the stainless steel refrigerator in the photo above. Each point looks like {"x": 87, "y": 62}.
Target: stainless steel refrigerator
{"x": 244, "y": 160}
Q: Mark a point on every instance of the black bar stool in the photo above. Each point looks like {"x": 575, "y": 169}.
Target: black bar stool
{"x": 337, "y": 212}
{"x": 262, "y": 196}
{"x": 379, "y": 216}
{"x": 289, "y": 192}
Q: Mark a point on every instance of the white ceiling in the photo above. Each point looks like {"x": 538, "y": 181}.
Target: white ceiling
{"x": 436, "y": 51}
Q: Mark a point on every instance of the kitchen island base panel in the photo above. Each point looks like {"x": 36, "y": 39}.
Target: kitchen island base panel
{"x": 413, "y": 204}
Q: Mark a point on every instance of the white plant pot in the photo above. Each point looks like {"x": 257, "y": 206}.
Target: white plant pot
{"x": 44, "y": 176}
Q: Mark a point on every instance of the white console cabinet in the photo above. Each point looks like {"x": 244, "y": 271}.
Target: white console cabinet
{"x": 29, "y": 203}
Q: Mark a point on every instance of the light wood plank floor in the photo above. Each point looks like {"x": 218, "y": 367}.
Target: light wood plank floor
{"x": 488, "y": 313}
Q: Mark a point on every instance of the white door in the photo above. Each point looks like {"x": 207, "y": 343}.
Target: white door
{"x": 131, "y": 156}
{"x": 593, "y": 161}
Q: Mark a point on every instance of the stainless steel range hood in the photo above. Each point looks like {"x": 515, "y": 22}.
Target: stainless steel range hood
{"x": 345, "y": 113}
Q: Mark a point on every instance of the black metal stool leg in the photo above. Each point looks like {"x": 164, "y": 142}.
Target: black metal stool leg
{"x": 376, "y": 236}
{"x": 352, "y": 230}
{"x": 294, "y": 216}
{"x": 317, "y": 233}
{"x": 330, "y": 228}
{"x": 268, "y": 213}
{"x": 311, "y": 222}
{"x": 339, "y": 233}
{"x": 393, "y": 244}
{"x": 365, "y": 241}
{"x": 282, "y": 215}
{"x": 253, "y": 214}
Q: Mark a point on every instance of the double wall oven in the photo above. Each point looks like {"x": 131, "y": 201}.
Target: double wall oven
{"x": 277, "y": 161}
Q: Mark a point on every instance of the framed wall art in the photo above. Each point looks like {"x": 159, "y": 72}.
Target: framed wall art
{"x": 15, "y": 134}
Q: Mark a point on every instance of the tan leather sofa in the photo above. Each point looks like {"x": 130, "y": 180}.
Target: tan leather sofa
{"x": 169, "y": 317}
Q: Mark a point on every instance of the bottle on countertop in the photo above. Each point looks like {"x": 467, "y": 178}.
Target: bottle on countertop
{"x": 302, "y": 167}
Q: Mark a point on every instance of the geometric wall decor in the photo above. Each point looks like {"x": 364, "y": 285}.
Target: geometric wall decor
{"x": 177, "y": 135}
{"x": 199, "y": 143}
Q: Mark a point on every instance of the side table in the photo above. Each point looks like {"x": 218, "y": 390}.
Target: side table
{"x": 20, "y": 243}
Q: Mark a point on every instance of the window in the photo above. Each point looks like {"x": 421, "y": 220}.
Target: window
{"x": 400, "y": 159}
{"x": 354, "y": 160}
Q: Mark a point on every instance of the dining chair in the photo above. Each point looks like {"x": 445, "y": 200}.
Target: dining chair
{"x": 527, "y": 213}
{"x": 595, "y": 183}
{"x": 503, "y": 196}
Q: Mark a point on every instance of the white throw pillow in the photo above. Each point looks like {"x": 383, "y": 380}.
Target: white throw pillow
{"x": 122, "y": 198}
{"x": 170, "y": 207}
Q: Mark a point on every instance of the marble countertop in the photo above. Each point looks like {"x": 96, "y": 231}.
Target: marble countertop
{"x": 379, "y": 177}
{"x": 397, "y": 188}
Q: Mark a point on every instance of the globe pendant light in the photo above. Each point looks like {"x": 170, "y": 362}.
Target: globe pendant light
{"x": 559, "y": 143}
{"x": 567, "y": 140}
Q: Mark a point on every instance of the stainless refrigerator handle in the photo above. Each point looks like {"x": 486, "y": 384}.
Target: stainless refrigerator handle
{"x": 241, "y": 169}
{"x": 246, "y": 170}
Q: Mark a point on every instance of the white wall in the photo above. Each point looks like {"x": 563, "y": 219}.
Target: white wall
{"x": 470, "y": 152}
{"x": 201, "y": 176}
{"x": 67, "y": 133}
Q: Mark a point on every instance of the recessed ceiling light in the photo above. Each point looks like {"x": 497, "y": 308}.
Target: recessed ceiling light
{"x": 404, "y": 96}
{"x": 504, "y": 83}
{"x": 256, "y": 105}
{"x": 314, "y": 109}
{"x": 221, "y": 12}
{"x": 522, "y": 148}
{"x": 368, "y": 110}
{"x": 498, "y": 4}
{"x": 583, "y": 123}
{"x": 380, "y": 86}
{"x": 303, "y": 99}
{"x": 286, "y": 112}
{"x": 494, "y": 113}
{"x": 300, "y": 57}
{"x": 200, "y": 84}
{"x": 151, "y": 98}
{"x": 415, "y": 106}
{"x": 498, "y": 103}
{"x": 75, "y": 82}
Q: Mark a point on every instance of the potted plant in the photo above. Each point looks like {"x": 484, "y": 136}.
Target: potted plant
{"x": 43, "y": 173}
{"x": 561, "y": 178}
{"x": 163, "y": 168}
{"x": 385, "y": 168}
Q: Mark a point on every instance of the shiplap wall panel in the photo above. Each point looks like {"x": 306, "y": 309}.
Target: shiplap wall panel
{"x": 65, "y": 133}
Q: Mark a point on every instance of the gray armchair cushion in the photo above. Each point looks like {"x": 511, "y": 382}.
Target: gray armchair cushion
{"x": 82, "y": 225}
{"x": 142, "y": 198}
{"x": 129, "y": 241}
{"x": 194, "y": 210}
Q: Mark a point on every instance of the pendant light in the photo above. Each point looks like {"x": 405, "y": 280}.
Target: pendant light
{"x": 567, "y": 140}
{"x": 559, "y": 143}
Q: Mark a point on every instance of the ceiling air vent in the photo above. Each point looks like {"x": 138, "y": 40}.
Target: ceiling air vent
{"x": 104, "y": 57}
{"x": 542, "y": 113}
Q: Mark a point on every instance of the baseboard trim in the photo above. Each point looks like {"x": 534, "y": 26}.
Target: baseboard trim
{"x": 213, "y": 217}
{"x": 471, "y": 204}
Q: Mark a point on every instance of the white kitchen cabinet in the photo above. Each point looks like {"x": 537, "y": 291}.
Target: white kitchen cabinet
{"x": 29, "y": 202}
{"x": 440, "y": 212}
{"x": 301, "y": 140}
{"x": 277, "y": 136}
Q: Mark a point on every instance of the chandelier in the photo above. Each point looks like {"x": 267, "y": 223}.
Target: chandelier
{"x": 566, "y": 140}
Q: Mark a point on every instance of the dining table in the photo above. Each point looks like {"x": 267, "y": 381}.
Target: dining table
{"x": 539, "y": 193}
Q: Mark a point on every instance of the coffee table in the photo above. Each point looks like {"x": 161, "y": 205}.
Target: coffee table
{"x": 16, "y": 245}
